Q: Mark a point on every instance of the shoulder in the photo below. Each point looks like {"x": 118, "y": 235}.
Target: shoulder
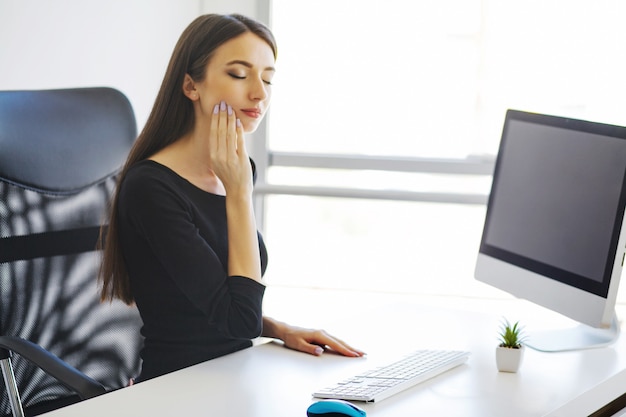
{"x": 148, "y": 174}
{"x": 147, "y": 169}
{"x": 148, "y": 182}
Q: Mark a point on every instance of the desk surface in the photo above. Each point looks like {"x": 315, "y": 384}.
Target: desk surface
{"x": 270, "y": 380}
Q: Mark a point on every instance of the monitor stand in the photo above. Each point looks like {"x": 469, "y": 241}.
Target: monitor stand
{"x": 575, "y": 338}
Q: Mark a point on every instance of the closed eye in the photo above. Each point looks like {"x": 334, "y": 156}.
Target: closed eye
{"x": 240, "y": 77}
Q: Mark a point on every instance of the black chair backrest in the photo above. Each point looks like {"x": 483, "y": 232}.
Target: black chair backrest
{"x": 59, "y": 153}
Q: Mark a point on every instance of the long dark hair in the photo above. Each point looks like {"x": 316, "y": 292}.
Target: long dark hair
{"x": 172, "y": 117}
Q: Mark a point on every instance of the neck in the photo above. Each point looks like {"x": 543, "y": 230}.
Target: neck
{"x": 189, "y": 158}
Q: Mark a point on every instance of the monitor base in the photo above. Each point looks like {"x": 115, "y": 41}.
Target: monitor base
{"x": 575, "y": 338}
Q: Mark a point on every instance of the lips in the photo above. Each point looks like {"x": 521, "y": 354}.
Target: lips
{"x": 253, "y": 113}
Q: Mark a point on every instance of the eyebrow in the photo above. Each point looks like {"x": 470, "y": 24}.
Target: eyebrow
{"x": 248, "y": 65}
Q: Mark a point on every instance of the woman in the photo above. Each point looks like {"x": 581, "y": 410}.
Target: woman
{"x": 182, "y": 241}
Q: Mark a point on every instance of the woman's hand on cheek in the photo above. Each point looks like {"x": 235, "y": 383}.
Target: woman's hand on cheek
{"x": 229, "y": 158}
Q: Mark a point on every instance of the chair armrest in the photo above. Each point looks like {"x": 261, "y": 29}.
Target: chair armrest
{"x": 69, "y": 376}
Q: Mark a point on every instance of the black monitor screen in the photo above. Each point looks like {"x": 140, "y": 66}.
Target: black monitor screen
{"x": 557, "y": 198}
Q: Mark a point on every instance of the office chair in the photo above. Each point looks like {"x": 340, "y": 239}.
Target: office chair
{"x": 59, "y": 152}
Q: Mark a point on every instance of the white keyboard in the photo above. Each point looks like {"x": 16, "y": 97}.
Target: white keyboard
{"x": 383, "y": 382}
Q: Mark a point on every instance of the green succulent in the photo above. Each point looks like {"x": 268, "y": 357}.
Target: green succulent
{"x": 511, "y": 336}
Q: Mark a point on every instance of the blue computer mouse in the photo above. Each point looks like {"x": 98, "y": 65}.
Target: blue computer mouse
{"x": 334, "y": 408}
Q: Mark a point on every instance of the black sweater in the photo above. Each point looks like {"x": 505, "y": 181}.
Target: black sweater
{"x": 174, "y": 239}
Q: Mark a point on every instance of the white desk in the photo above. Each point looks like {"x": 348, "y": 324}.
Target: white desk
{"x": 269, "y": 380}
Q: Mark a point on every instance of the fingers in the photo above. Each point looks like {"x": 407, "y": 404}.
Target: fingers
{"x": 231, "y": 131}
{"x": 213, "y": 130}
{"x": 222, "y": 128}
{"x": 222, "y": 138}
{"x": 309, "y": 348}
{"x": 227, "y": 151}
{"x": 241, "y": 147}
{"x": 316, "y": 342}
{"x": 226, "y": 131}
{"x": 342, "y": 347}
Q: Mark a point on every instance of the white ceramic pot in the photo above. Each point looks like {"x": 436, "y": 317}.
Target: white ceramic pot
{"x": 509, "y": 359}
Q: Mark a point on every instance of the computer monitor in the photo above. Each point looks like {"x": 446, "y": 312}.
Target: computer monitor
{"x": 554, "y": 227}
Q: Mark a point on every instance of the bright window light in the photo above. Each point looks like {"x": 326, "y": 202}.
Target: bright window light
{"x": 428, "y": 79}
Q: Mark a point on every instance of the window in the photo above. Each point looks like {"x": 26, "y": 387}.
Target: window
{"x": 386, "y": 117}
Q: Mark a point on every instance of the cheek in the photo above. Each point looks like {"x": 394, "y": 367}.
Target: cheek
{"x": 215, "y": 89}
{"x": 206, "y": 106}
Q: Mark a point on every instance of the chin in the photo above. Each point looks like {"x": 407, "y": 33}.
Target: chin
{"x": 250, "y": 127}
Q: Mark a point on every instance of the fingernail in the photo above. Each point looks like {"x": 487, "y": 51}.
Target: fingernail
{"x": 319, "y": 350}
{"x": 230, "y": 111}
{"x": 238, "y": 123}
{"x": 216, "y": 109}
{"x": 222, "y": 106}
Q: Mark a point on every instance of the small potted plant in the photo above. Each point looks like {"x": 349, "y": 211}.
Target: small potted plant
{"x": 510, "y": 351}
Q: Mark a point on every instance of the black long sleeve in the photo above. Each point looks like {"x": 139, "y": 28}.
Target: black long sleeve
{"x": 174, "y": 239}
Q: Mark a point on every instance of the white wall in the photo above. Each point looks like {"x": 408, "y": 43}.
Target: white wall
{"x": 245, "y": 7}
{"x": 124, "y": 44}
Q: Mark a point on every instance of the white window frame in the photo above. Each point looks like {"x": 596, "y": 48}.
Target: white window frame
{"x": 265, "y": 158}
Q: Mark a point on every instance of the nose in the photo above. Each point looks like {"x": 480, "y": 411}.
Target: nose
{"x": 259, "y": 90}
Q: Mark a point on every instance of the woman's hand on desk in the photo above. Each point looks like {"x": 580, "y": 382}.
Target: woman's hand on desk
{"x": 313, "y": 341}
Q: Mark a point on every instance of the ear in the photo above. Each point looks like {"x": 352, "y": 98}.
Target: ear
{"x": 189, "y": 88}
